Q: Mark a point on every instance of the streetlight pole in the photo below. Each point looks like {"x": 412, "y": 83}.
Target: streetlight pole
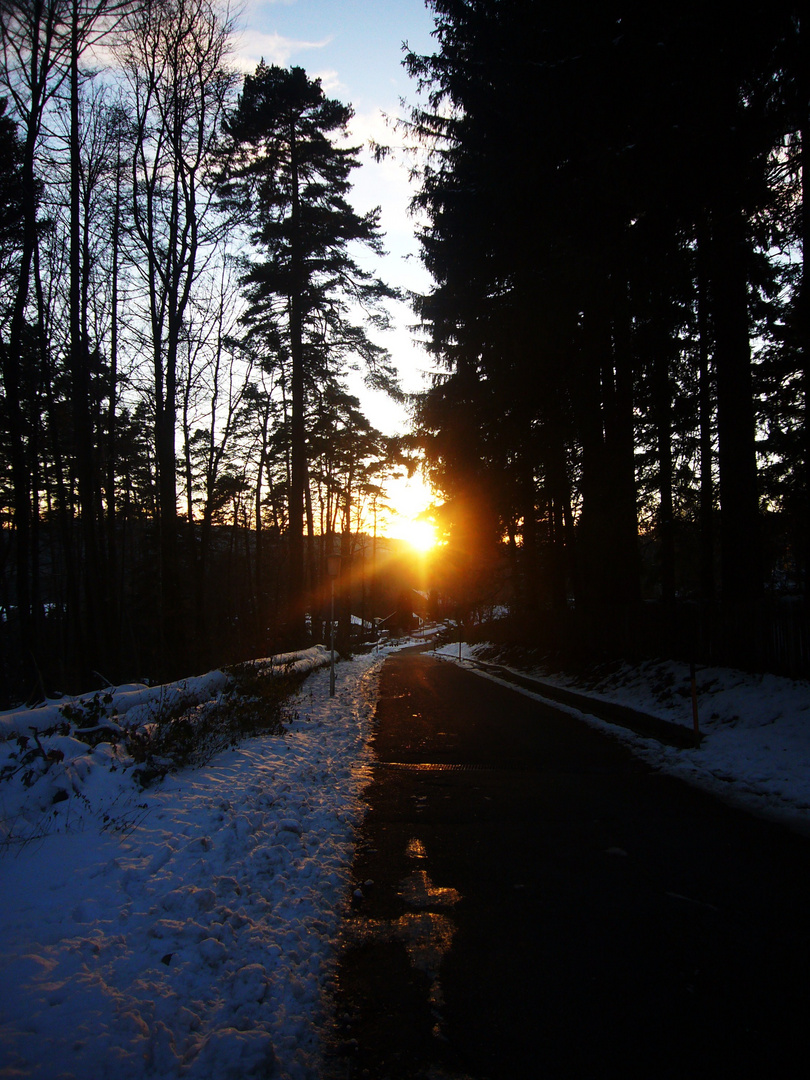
{"x": 332, "y": 569}
{"x": 332, "y": 642}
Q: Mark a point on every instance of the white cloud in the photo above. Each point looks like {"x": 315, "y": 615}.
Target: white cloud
{"x": 386, "y": 183}
{"x": 250, "y": 46}
{"x": 330, "y": 81}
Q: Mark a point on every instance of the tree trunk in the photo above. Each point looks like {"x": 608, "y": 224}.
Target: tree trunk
{"x": 591, "y": 527}
{"x": 260, "y": 629}
{"x": 557, "y": 479}
{"x": 803, "y": 312}
{"x": 707, "y": 583}
{"x": 88, "y": 620}
{"x": 740, "y": 538}
{"x": 297, "y": 606}
{"x": 608, "y": 543}
{"x": 111, "y": 448}
{"x": 620, "y": 444}
{"x": 662, "y": 408}
{"x": 12, "y": 361}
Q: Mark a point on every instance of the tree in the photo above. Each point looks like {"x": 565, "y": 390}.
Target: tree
{"x": 11, "y": 203}
{"x": 174, "y": 57}
{"x": 215, "y": 376}
{"x": 567, "y": 212}
{"x": 304, "y": 288}
{"x": 43, "y": 42}
{"x": 35, "y": 43}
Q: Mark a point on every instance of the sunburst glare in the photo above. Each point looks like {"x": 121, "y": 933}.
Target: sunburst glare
{"x": 419, "y": 534}
{"x": 409, "y": 499}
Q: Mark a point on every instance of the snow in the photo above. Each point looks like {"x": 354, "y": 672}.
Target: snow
{"x": 140, "y": 703}
{"x": 188, "y": 928}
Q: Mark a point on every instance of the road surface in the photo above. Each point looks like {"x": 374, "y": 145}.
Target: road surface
{"x": 533, "y": 901}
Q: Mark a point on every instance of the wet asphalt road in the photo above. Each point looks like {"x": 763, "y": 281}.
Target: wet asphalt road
{"x": 539, "y": 903}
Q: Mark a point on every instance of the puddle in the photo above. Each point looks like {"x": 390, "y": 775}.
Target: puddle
{"x": 418, "y": 891}
{"x": 426, "y": 934}
{"x": 416, "y": 849}
{"x": 427, "y": 937}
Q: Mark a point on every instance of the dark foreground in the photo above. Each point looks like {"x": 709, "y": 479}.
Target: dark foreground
{"x": 539, "y": 903}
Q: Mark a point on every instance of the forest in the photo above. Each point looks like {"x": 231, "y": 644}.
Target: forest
{"x": 610, "y": 201}
{"x": 614, "y": 215}
{"x": 181, "y": 296}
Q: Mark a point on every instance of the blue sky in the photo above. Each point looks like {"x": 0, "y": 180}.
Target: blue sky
{"x": 355, "y": 48}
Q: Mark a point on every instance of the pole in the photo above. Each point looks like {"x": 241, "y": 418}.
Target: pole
{"x": 332, "y": 641}
{"x": 695, "y": 721}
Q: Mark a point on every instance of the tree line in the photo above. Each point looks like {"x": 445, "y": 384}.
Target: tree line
{"x": 615, "y": 220}
{"x": 181, "y": 295}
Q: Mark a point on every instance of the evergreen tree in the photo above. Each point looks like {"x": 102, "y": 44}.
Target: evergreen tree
{"x": 596, "y": 175}
{"x": 11, "y": 203}
{"x": 291, "y": 178}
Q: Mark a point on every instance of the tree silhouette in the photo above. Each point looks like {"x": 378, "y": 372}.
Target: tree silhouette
{"x": 289, "y": 173}
{"x": 602, "y": 206}
{"x": 178, "y": 87}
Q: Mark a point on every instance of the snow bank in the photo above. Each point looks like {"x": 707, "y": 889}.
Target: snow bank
{"x": 85, "y": 758}
{"x": 140, "y": 704}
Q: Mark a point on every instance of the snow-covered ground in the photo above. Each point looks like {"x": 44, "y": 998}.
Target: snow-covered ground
{"x": 187, "y": 929}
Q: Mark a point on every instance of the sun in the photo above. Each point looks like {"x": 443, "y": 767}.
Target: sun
{"x": 421, "y": 535}
{"x": 408, "y": 517}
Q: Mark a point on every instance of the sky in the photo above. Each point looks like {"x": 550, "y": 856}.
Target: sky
{"x": 356, "y": 48}
{"x": 187, "y": 930}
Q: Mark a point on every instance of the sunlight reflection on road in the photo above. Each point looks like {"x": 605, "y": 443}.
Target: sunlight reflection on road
{"x": 426, "y": 935}
{"x": 415, "y": 848}
{"x": 419, "y": 891}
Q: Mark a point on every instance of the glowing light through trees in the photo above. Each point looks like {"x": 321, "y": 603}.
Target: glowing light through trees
{"x": 419, "y": 534}
{"x": 409, "y": 500}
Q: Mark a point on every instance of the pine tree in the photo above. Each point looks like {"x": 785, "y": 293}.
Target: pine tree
{"x": 291, "y": 176}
